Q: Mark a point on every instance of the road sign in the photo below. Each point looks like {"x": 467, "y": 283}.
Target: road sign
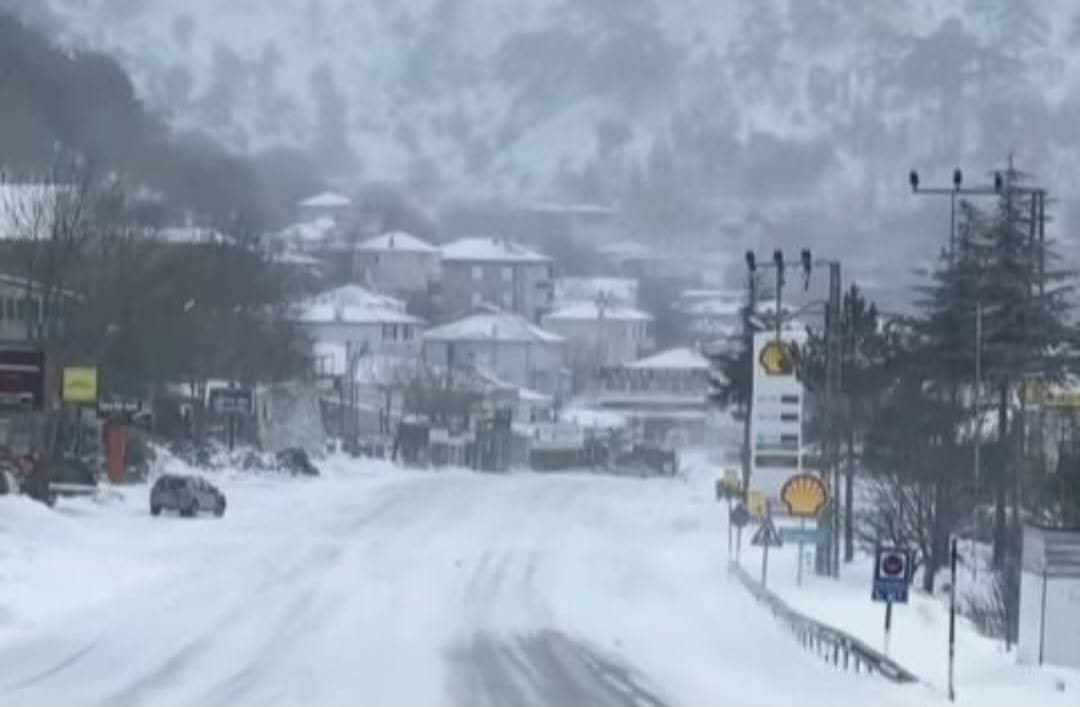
{"x": 739, "y": 516}
{"x": 79, "y": 385}
{"x": 113, "y": 407}
{"x": 231, "y": 401}
{"x": 804, "y": 495}
{"x": 766, "y": 535}
{"x": 22, "y": 377}
{"x": 892, "y": 574}
{"x": 796, "y": 534}
{"x": 756, "y": 504}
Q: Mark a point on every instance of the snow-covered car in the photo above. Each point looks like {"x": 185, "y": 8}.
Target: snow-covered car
{"x": 187, "y": 495}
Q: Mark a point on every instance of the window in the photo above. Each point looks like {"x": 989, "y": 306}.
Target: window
{"x": 408, "y": 331}
{"x": 476, "y": 299}
{"x": 9, "y": 307}
{"x": 507, "y": 300}
{"x": 507, "y": 273}
{"x": 385, "y": 332}
{"x": 477, "y": 273}
{"x": 20, "y": 310}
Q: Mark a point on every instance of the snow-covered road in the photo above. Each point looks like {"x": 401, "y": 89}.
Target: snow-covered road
{"x": 398, "y": 588}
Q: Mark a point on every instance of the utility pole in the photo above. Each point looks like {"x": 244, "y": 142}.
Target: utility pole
{"x": 748, "y": 334}
{"x": 833, "y": 374}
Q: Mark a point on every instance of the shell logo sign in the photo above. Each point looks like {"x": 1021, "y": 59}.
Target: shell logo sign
{"x": 805, "y": 495}
{"x": 777, "y": 359}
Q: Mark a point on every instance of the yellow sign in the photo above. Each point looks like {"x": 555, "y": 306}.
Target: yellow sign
{"x": 804, "y": 495}
{"x": 1036, "y": 392}
{"x": 776, "y": 359}
{"x": 80, "y": 385}
{"x": 755, "y": 503}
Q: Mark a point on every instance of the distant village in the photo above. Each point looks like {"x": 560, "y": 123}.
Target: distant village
{"x": 478, "y": 352}
{"x": 561, "y": 363}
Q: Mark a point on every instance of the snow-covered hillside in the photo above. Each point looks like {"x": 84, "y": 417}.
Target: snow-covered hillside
{"x": 669, "y": 106}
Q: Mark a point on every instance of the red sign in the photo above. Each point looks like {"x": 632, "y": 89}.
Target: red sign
{"x": 22, "y": 377}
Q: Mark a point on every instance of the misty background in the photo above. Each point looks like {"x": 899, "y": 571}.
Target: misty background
{"x": 708, "y": 124}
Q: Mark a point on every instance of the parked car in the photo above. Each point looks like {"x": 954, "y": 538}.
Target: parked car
{"x": 187, "y": 495}
{"x": 296, "y": 461}
{"x": 72, "y": 476}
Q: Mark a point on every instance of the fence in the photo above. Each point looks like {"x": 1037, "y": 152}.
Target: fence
{"x": 832, "y": 645}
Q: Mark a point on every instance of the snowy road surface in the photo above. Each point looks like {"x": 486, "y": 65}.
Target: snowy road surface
{"x": 398, "y": 588}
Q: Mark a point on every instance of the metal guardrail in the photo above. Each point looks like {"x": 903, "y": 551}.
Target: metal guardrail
{"x": 833, "y": 645}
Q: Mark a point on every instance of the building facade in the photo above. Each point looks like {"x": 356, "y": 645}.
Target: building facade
{"x": 599, "y": 335}
{"x": 503, "y": 345}
{"x": 361, "y": 322}
{"x": 479, "y": 271}
{"x": 398, "y": 263}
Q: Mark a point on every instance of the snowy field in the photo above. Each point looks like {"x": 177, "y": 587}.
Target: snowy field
{"x": 378, "y": 586}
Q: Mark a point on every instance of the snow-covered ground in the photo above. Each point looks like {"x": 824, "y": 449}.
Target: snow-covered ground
{"x": 378, "y": 586}
{"x": 985, "y": 672}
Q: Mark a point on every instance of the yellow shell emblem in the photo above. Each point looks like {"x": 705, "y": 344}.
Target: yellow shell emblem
{"x": 776, "y": 359}
{"x": 804, "y": 495}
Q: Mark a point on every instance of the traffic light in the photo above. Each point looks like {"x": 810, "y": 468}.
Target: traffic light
{"x": 751, "y": 261}
{"x": 778, "y": 261}
{"x": 807, "y": 266}
{"x": 957, "y": 178}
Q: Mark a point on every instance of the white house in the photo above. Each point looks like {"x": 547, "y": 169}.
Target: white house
{"x": 499, "y": 272}
{"x": 327, "y": 204}
{"x": 599, "y": 334}
{"x": 502, "y": 344}
{"x": 664, "y": 396}
{"x": 363, "y": 321}
{"x": 398, "y": 262}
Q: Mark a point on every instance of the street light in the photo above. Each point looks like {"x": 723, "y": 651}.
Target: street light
{"x": 957, "y": 189}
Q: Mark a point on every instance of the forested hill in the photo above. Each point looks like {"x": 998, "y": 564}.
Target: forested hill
{"x": 55, "y": 103}
{"x": 685, "y": 112}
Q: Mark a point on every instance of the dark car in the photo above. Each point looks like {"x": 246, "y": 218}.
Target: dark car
{"x": 297, "y": 462}
{"x": 72, "y": 476}
{"x": 187, "y": 495}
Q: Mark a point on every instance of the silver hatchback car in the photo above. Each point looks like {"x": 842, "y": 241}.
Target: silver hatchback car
{"x": 187, "y": 495}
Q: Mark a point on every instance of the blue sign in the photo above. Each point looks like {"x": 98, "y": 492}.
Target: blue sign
{"x": 739, "y": 516}
{"x": 795, "y": 534}
{"x": 892, "y": 575}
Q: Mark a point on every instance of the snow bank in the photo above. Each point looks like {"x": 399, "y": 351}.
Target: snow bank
{"x": 985, "y": 672}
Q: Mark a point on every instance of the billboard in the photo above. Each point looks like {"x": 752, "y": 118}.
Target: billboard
{"x": 776, "y": 415}
{"x": 22, "y": 378}
{"x": 80, "y": 385}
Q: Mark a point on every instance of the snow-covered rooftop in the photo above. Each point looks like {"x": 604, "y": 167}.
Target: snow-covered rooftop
{"x": 398, "y": 241}
{"x": 313, "y": 231}
{"x": 191, "y": 234}
{"x": 26, "y": 209}
{"x": 353, "y": 304}
{"x": 492, "y": 326}
{"x": 615, "y": 289}
{"x": 491, "y": 249}
{"x": 326, "y": 200}
{"x": 684, "y": 358}
{"x": 594, "y": 311}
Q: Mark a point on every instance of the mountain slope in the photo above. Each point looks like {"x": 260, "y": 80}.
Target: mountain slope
{"x": 679, "y": 109}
